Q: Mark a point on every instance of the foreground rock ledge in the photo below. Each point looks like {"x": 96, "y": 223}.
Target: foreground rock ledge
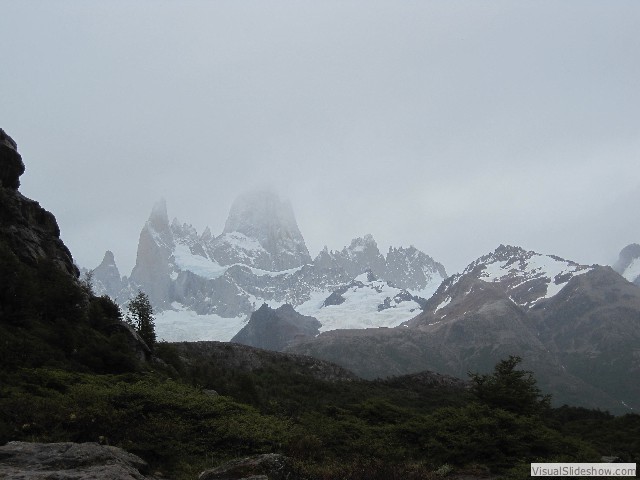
{"x": 69, "y": 461}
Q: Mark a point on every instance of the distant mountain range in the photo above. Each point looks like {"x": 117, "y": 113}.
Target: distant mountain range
{"x": 204, "y": 287}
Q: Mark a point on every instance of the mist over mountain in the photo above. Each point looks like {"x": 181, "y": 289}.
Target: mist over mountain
{"x": 262, "y": 216}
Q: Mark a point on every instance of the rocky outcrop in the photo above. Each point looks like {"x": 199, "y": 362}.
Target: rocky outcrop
{"x": 69, "y": 461}
{"x": 29, "y": 231}
{"x": 269, "y": 466}
{"x": 276, "y": 329}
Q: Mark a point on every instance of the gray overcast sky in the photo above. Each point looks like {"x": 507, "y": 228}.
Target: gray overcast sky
{"x": 450, "y": 125}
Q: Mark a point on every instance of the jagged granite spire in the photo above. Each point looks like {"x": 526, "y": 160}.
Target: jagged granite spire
{"x": 155, "y": 246}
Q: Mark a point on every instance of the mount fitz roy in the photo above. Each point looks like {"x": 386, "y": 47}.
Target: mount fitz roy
{"x": 204, "y": 286}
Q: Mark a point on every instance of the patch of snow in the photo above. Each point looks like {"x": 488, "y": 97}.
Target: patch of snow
{"x": 203, "y": 267}
{"x": 443, "y": 304}
{"x": 363, "y": 278}
{"x": 261, "y": 273}
{"x": 429, "y": 289}
{"x": 182, "y": 325}
{"x": 241, "y": 241}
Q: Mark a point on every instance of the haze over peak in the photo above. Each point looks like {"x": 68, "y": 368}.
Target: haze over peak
{"x": 261, "y": 215}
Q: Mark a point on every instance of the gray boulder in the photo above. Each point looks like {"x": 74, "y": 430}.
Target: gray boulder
{"x": 69, "y": 461}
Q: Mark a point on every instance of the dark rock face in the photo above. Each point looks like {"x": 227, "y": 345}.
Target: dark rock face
{"x": 69, "y": 461}
{"x": 276, "y": 329}
{"x": 29, "y": 230}
{"x": 11, "y": 162}
{"x": 270, "y": 466}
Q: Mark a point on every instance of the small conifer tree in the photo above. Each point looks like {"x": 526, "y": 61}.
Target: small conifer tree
{"x": 510, "y": 389}
{"x": 140, "y": 317}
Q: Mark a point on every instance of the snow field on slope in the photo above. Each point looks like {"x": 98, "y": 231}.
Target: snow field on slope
{"x": 182, "y": 325}
{"x": 360, "y": 309}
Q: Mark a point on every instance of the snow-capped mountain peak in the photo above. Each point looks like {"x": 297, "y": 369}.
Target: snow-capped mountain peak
{"x": 528, "y": 277}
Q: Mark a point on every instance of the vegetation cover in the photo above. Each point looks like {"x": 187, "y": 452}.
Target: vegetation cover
{"x": 71, "y": 371}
